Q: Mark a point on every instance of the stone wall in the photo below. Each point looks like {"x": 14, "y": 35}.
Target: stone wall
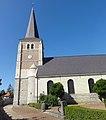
{"x": 84, "y": 98}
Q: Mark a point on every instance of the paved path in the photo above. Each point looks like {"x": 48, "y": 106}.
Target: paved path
{"x": 95, "y": 106}
{"x": 27, "y": 113}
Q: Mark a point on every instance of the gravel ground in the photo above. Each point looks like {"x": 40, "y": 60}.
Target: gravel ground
{"x": 31, "y": 113}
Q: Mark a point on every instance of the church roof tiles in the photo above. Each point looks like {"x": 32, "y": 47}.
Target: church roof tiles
{"x": 73, "y": 65}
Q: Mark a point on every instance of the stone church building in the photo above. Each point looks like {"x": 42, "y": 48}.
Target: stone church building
{"x": 35, "y": 73}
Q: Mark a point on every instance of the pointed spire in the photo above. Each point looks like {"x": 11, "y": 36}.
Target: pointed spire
{"x": 32, "y": 31}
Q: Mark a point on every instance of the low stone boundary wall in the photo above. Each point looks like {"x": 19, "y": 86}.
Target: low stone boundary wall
{"x": 84, "y": 98}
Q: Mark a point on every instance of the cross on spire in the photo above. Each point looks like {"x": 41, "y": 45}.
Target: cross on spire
{"x": 32, "y": 4}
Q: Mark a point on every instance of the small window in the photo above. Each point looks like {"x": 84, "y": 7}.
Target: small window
{"x": 49, "y": 84}
{"x": 32, "y": 46}
{"x": 28, "y": 46}
{"x": 91, "y": 84}
{"x": 71, "y": 87}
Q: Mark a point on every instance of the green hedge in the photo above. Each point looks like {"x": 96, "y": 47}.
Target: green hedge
{"x": 35, "y": 105}
{"x": 80, "y": 113}
{"x": 49, "y": 100}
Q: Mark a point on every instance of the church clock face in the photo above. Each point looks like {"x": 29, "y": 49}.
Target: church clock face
{"x": 29, "y": 57}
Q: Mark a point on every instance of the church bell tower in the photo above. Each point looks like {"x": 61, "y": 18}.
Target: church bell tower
{"x": 30, "y": 52}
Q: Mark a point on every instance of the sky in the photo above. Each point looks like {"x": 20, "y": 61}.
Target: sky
{"x": 67, "y": 28}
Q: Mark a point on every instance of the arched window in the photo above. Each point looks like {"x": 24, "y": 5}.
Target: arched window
{"x": 28, "y": 46}
{"x": 71, "y": 87}
{"x": 91, "y": 84}
{"x": 32, "y": 46}
{"x": 49, "y": 84}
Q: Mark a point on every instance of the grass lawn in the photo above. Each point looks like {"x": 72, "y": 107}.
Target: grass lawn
{"x": 80, "y": 113}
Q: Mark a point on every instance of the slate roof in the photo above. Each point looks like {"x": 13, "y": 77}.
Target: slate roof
{"x": 32, "y": 30}
{"x": 30, "y": 39}
{"x": 73, "y": 65}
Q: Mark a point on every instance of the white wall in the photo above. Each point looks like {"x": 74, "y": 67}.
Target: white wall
{"x": 80, "y": 83}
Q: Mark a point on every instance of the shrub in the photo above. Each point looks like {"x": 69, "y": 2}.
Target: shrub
{"x": 49, "y": 100}
{"x": 80, "y": 113}
{"x": 42, "y": 97}
{"x": 57, "y": 90}
{"x": 35, "y": 105}
{"x": 100, "y": 88}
